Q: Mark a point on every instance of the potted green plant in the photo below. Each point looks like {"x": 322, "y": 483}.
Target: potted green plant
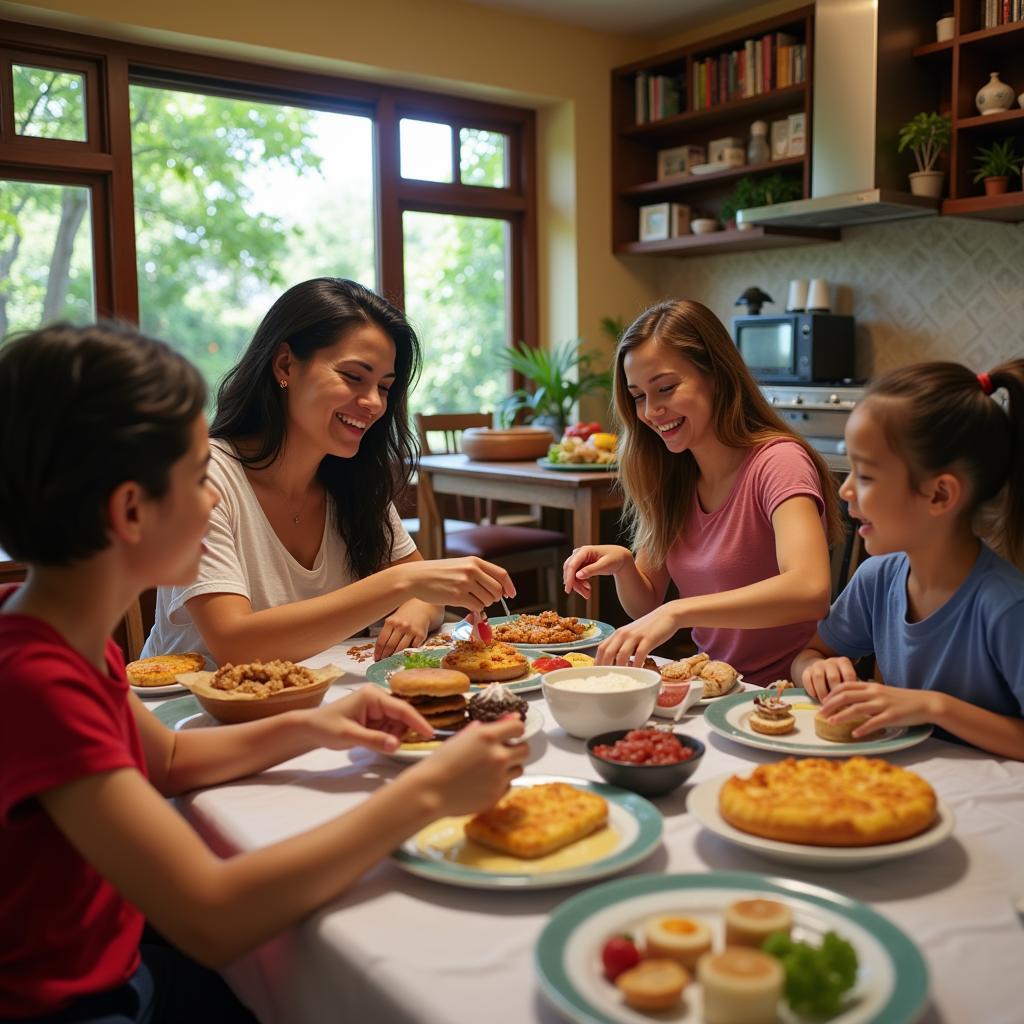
{"x": 926, "y": 135}
{"x": 995, "y": 164}
{"x": 557, "y": 379}
{"x": 764, "y": 191}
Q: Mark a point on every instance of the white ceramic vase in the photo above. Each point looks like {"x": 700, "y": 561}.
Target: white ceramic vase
{"x": 995, "y": 97}
{"x": 927, "y": 183}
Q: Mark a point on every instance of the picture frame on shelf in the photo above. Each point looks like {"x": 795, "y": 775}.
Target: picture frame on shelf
{"x": 677, "y": 161}
{"x": 655, "y": 222}
{"x": 780, "y": 139}
{"x": 797, "y": 134}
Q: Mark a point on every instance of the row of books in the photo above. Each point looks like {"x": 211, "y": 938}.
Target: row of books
{"x": 773, "y": 62}
{"x": 657, "y": 96}
{"x": 1001, "y": 12}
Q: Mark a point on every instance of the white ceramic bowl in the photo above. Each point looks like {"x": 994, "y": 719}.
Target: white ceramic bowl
{"x": 703, "y": 225}
{"x": 584, "y": 714}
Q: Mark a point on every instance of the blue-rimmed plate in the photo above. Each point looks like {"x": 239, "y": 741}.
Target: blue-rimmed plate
{"x": 636, "y": 821}
{"x": 184, "y": 713}
{"x": 892, "y": 979}
{"x": 380, "y": 671}
{"x": 730, "y": 717}
{"x": 596, "y": 633}
{"x": 579, "y": 467}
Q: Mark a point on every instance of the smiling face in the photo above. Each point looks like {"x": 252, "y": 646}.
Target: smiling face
{"x": 671, "y": 396}
{"x": 339, "y": 393}
{"x": 893, "y": 514}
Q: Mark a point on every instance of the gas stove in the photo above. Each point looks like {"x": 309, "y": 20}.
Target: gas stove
{"x": 819, "y": 412}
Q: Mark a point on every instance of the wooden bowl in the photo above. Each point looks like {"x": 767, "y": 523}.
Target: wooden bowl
{"x": 515, "y": 443}
{"x": 231, "y": 708}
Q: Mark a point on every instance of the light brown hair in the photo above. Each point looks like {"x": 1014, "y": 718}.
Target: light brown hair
{"x": 660, "y": 485}
{"x": 937, "y": 417}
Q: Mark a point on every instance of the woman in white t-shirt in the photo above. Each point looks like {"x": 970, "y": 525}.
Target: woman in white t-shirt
{"x": 309, "y": 447}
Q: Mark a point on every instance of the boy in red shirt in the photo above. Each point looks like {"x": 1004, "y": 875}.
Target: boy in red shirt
{"x": 103, "y": 492}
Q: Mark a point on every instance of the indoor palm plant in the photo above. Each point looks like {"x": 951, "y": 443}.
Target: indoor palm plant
{"x": 556, "y": 379}
{"x": 926, "y": 135}
{"x": 995, "y": 164}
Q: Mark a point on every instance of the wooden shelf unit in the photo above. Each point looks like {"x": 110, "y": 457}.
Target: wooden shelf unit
{"x": 635, "y": 146}
{"x": 962, "y": 67}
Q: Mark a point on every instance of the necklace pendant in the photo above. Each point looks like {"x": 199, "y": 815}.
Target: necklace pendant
{"x": 295, "y": 520}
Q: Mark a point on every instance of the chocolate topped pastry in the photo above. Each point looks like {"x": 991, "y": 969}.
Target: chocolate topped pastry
{"x": 491, "y": 704}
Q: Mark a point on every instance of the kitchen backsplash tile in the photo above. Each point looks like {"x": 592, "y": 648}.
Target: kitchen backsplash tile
{"x": 942, "y": 288}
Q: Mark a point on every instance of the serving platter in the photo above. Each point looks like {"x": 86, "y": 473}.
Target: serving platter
{"x": 892, "y": 979}
{"x": 702, "y": 803}
{"x": 597, "y": 634}
{"x": 729, "y": 717}
{"x": 531, "y": 726}
{"x": 380, "y": 671}
{"x": 580, "y": 467}
{"x": 636, "y": 820}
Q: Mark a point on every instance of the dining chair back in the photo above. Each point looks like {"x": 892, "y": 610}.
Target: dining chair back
{"x": 515, "y": 547}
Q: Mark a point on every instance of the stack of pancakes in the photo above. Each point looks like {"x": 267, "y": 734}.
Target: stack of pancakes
{"x": 436, "y": 693}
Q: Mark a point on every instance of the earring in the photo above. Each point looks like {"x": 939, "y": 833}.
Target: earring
{"x": 283, "y": 383}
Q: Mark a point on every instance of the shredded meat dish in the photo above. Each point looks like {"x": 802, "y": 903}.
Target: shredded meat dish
{"x": 261, "y": 678}
{"x": 546, "y": 628}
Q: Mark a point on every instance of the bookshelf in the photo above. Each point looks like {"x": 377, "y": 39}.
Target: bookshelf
{"x": 960, "y": 67}
{"x": 689, "y": 97}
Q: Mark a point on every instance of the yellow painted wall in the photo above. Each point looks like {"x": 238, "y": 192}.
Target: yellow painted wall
{"x": 445, "y": 45}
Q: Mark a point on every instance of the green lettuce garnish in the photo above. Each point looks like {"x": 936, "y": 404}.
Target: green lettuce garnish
{"x": 817, "y": 977}
{"x": 418, "y": 659}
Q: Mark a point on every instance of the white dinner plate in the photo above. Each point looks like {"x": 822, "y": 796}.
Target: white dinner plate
{"x": 702, "y": 803}
{"x": 730, "y": 718}
{"x": 159, "y": 691}
{"x": 636, "y": 820}
{"x": 892, "y": 979}
{"x": 531, "y": 726}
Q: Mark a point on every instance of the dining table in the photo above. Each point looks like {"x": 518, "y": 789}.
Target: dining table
{"x": 410, "y": 950}
{"x": 584, "y": 492}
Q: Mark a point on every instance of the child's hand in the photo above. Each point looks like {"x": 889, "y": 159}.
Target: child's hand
{"x": 592, "y": 560}
{"x": 630, "y": 644}
{"x": 406, "y": 626}
{"x": 472, "y": 771}
{"x": 367, "y": 718}
{"x": 885, "y": 706}
{"x": 826, "y": 674}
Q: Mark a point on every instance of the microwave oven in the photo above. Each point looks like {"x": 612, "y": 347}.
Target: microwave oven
{"x": 796, "y": 348}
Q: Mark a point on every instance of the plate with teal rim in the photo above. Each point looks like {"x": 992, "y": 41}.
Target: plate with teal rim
{"x": 596, "y": 634}
{"x": 636, "y": 820}
{"x": 580, "y": 467}
{"x": 729, "y": 718}
{"x": 892, "y": 978}
{"x": 184, "y": 713}
{"x": 380, "y": 671}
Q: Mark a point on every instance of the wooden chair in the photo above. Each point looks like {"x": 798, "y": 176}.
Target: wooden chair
{"x": 514, "y": 547}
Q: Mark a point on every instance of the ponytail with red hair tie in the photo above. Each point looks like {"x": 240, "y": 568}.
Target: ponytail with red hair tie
{"x": 986, "y": 383}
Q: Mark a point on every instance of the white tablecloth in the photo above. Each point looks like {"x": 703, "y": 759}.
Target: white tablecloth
{"x": 403, "y": 949}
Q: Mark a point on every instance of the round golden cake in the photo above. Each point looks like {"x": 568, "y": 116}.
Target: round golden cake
{"x": 486, "y": 663}
{"x": 162, "y": 669}
{"x": 816, "y": 801}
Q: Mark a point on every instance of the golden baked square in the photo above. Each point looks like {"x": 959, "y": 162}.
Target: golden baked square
{"x": 162, "y": 669}
{"x": 531, "y": 821}
{"x": 819, "y": 801}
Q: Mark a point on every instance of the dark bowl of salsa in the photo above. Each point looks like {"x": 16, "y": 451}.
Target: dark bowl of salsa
{"x": 650, "y": 762}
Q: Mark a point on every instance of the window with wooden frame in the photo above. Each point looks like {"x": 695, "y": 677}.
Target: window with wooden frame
{"x": 186, "y": 192}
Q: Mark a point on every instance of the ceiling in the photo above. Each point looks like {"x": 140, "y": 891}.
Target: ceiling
{"x": 631, "y": 16}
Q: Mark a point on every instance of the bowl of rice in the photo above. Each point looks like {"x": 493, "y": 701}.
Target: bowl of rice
{"x": 599, "y": 698}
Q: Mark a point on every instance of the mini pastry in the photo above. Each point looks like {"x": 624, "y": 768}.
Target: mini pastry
{"x": 740, "y": 986}
{"x": 495, "y": 702}
{"x": 718, "y": 677}
{"x": 750, "y": 922}
{"x": 677, "y": 938}
{"x": 653, "y": 984}
{"x": 772, "y": 716}
{"x": 687, "y": 668}
{"x": 842, "y": 732}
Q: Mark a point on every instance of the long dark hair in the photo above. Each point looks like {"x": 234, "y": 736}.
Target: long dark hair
{"x": 82, "y": 411}
{"x": 938, "y": 416}
{"x": 659, "y": 484}
{"x": 311, "y": 316}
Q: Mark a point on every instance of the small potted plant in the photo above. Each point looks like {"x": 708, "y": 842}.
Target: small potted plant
{"x": 927, "y": 136}
{"x": 995, "y": 164}
{"x": 751, "y": 192}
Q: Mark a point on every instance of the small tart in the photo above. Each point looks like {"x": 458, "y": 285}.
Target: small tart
{"x": 684, "y": 939}
{"x": 653, "y": 984}
{"x": 740, "y": 986}
{"x": 750, "y": 922}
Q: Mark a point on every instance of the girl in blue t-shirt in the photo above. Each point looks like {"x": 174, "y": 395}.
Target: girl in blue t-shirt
{"x": 932, "y": 453}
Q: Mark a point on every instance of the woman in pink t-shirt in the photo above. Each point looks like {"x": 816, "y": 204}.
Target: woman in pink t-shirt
{"x": 722, "y": 498}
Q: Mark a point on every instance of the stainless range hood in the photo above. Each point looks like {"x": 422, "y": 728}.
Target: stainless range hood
{"x": 866, "y": 85}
